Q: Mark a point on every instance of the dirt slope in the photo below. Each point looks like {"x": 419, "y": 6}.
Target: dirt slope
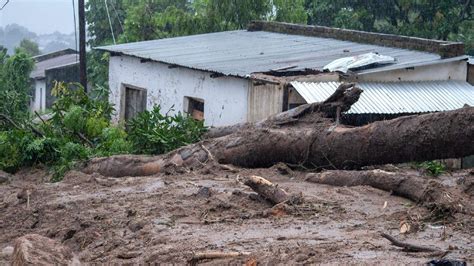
{"x": 166, "y": 218}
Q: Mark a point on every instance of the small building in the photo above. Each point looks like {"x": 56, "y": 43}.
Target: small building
{"x": 57, "y": 66}
{"x": 246, "y": 75}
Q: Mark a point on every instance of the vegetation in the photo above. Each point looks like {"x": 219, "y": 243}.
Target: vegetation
{"x": 433, "y": 168}
{"x": 154, "y": 19}
{"x": 29, "y": 47}
{"x": 14, "y": 85}
{"x": 79, "y": 127}
{"x": 154, "y": 133}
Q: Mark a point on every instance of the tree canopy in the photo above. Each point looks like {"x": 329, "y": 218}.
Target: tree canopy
{"x": 29, "y": 47}
{"x": 141, "y": 20}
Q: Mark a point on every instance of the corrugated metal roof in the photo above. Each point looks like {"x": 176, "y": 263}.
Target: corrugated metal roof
{"x": 42, "y": 66}
{"x": 396, "y": 97}
{"x": 241, "y": 53}
{"x": 470, "y": 60}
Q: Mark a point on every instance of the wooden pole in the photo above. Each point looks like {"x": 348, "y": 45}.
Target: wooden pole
{"x": 82, "y": 45}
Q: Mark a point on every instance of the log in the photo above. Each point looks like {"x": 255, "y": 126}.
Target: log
{"x": 307, "y": 136}
{"x": 430, "y": 193}
{"x": 267, "y": 189}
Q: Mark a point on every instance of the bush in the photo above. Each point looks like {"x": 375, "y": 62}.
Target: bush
{"x": 153, "y": 133}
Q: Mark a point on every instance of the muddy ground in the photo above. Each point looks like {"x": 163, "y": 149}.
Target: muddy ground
{"x": 166, "y": 218}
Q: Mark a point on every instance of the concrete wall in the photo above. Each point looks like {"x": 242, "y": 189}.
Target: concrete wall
{"x": 225, "y": 98}
{"x": 446, "y": 71}
{"x": 39, "y": 96}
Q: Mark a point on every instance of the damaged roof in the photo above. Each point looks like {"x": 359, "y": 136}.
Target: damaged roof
{"x": 396, "y": 97}
{"x": 54, "y": 62}
{"x": 241, "y": 53}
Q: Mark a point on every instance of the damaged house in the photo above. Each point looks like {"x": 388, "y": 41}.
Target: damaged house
{"x": 246, "y": 75}
{"x": 61, "y": 65}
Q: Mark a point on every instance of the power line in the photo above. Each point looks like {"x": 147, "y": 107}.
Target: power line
{"x": 120, "y": 22}
{"x": 75, "y": 27}
{"x": 110, "y": 21}
{"x": 4, "y": 5}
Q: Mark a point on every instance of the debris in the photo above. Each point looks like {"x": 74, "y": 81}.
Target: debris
{"x": 215, "y": 255}
{"x": 359, "y": 61}
{"x": 431, "y": 193}
{"x": 4, "y": 177}
{"x": 204, "y": 192}
{"x": 446, "y": 262}
{"x": 409, "y": 247}
{"x": 7, "y": 251}
{"x": 34, "y": 249}
{"x": 268, "y": 190}
{"x": 129, "y": 255}
{"x": 405, "y": 227}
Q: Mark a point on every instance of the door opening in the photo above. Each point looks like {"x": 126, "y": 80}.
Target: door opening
{"x": 135, "y": 102}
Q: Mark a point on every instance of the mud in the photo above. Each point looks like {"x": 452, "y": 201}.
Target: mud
{"x": 166, "y": 218}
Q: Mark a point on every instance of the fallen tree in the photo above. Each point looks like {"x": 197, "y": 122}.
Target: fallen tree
{"x": 308, "y": 136}
{"x": 430, "y": 193}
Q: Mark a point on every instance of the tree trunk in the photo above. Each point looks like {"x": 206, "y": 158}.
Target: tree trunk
{"x": 308, "y": 136}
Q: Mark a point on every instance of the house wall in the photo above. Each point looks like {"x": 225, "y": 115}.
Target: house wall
{"x": 225, "y": 98}
{"x": 470, "y": 74}
{"x": 264, "y": 100}
{"x": 39, "y": 96}
{"x": 446, "y": 71}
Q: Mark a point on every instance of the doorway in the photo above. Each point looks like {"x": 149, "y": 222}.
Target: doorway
{"x": 134, "y": 102}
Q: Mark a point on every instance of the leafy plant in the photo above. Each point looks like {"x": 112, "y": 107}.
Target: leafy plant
{"x": 433, "y": 168}
{"x": 153, "y": 133}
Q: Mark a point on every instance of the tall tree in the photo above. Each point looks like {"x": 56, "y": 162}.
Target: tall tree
{"x": 30, "y": 47}
{"x": 15, "y": 84}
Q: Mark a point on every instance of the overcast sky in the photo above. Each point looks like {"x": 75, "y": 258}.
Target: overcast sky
{"x": 39, "y": 16}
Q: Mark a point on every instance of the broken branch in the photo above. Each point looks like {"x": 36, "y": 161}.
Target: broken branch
{"x": 269, "y": 191}
{"x": 407, "y": 246}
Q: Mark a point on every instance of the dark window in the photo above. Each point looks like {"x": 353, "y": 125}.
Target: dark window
{"x": 135, "y": 102}
{"x": 195, "y": 108}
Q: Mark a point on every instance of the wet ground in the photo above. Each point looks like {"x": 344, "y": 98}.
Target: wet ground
{"x": 167, "y": 218}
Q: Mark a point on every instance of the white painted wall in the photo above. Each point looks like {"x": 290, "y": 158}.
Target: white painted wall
{"x": 225, "y": 98}
{"x": 39, "y": 104}
{"x": 445, "y": 71}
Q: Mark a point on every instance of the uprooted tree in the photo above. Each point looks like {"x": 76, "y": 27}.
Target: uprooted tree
{"x": 309, "y": 136}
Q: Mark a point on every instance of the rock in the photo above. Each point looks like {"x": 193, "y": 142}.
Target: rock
{"x": 33, "y": 249}
{"x": 4, "y": 178}
{"x": 135, "y": 226}
{"x": 204, "y": 192}
{"x": 7, "y": 251}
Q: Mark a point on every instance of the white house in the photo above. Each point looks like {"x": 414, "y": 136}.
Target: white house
{"x": 60, "y": 65}
{"x": 247, "y": 75}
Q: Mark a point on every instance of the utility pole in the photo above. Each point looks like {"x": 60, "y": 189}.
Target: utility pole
{"x": 82, "y": 45}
